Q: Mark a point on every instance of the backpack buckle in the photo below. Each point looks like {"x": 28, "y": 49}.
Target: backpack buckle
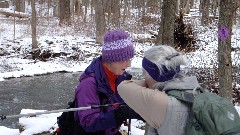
{"x": 197, "y": 126}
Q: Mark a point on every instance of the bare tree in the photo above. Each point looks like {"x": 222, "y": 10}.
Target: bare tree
{"x": 151, "y": 6}
{"x": 166, "y": 30}
{"x": 191, "y": 3}
{"x": 224, "y": 48}
{"x": 205, "y": 12}
{"x": 55, "y": 8}
{"x": 78, "y": 7}
{"x": 72, "y": 6}
{"x": 4, "y": 4}
{"x": 86, "y": 4}
{"x": 214, "y": 6}
{"x": 100, "y": 21}
{"x": 65, "y": 15}
{"x": 20, "y": 5}
{"x": 112, "y": 11}
{"x": 126, "y": 12}
{"x": 237, "y": 5}
{"x": 33, "y": 26}
{"x": 48, "y": 11}
{"x": 115, "y": 9}
{"x": 92, "y": 3}
{"x": 181, "y": 3}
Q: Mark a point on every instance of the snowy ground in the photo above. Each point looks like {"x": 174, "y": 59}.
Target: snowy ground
{"x": 15, "y": 66}
{"x": 18, "y": 63}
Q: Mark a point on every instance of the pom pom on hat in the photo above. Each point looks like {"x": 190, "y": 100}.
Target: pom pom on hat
{"x": 117, "y": 46}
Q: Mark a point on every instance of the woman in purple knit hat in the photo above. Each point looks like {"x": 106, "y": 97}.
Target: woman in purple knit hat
{"x": 98, "y": 85}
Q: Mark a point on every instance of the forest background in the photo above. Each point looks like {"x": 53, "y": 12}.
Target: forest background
{"x": 177, "y": 28}
{"x": 191, "y": 26}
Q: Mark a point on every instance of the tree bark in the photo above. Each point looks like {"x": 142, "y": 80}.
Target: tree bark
{"x": 214, "y": 6}
{"x": 33, "y": 26}
{"x": 92, "y": 7}
{"x": 20, "y": 5}
{"x": 4, "y": 4}
{"x": 100, "y": 21}
{"x": 205, "y": 12}
{"x": 237, "y": 5}
{"x": 152, "y": 6}
{"x": 65, "y": 15}
{"x": 224, "y": 48}
{"x": 126, "y": 12}
{"x": 115, "y": 9}
{"x": 56, "y": 8}
{"x": 166, "y": 31}
{"x": 78, "y": 7}
{"x": 182, "y": 3}
{"x": 72, "y": 5}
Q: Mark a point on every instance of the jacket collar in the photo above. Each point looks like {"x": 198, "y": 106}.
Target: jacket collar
{"x": 95, "y": 69}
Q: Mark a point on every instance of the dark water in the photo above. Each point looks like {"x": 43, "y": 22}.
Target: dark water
{"x": 45, "y": 92}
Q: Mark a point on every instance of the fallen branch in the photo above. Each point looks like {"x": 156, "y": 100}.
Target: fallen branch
{"x": 16, "y": 14}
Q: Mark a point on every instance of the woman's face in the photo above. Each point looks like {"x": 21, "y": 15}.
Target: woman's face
{"x": 118, "y": 68}
{"x": 148, "y": 79}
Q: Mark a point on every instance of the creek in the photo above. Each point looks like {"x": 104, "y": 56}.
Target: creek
{"x": 44, "y": 92}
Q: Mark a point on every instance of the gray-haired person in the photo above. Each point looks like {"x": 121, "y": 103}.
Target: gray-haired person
{"x": 161, "y": 69}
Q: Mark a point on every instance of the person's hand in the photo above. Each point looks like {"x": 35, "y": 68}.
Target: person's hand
{"x": 125, "y": 112}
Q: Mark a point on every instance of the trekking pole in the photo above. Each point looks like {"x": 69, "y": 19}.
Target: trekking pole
{"x": 63, "y": 110}
{"x": 129, "y": 127}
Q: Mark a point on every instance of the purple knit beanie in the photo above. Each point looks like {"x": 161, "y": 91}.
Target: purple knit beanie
{"x": 117, "y": 46}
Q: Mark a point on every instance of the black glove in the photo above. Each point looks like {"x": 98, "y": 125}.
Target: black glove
{"x": 125, "y": 112}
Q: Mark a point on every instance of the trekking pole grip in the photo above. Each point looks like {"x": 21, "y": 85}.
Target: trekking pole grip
{"x": 3, "y": 117}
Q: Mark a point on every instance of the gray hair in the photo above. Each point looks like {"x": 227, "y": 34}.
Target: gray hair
{"x": 165, "y": 55}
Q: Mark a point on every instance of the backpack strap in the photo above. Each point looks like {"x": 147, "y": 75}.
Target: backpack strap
{"x": 186, "y": 95}
{"x": 181, "y": 95}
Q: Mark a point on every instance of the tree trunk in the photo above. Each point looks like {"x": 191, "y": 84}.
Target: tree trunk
{"x": 78, "y": 7}
{"x": 237, "y": 4}
{"x": 214, "y": 6}
{"x": 72, "y": 5}
{"x": 224, "y": 48}
{"x": 191, "y": 3}
{"x": 56, "y": 8}
{"x": 86, "y": 5}
{"x": 100, "y": 21}
{"x": 48, "y": 5}
{"x": 238, "y": 16}
{"x": 65, "y": 15}
{"x": 167, "y": 23}
{"x": 33, "y": 26}
{"x": 187, "y": 7}
{"x": 4, "y": 4}
{"x": 152, "y": 6}
{"x": 182, "y": 3}
{"x": 126, "y": 12}
{"x": 92, "y": 7}
{"x": 20, "y": 5}
{"x": 205, "y": 12}
{"x": 108, "y": 11}
{"x": 201, "y": 6}
{"x": 115, "y": 9}
{"x": 160, "y": 33}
